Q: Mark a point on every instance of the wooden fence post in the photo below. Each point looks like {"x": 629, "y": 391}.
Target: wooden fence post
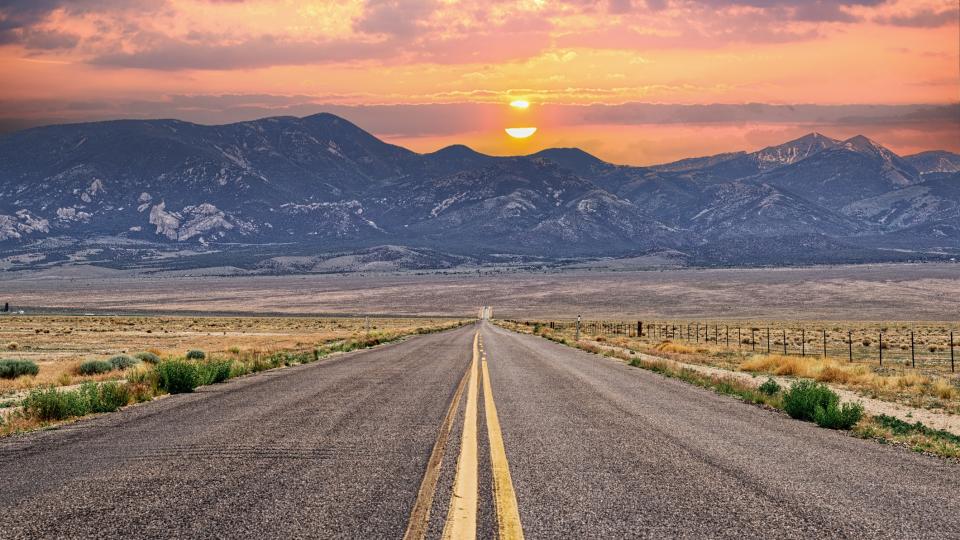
{"x": 784, "y": 341}
{"x": 913, "y": 359}
{"x": 951, "y": 352}
{"x": 824, "y": 342}
{"x": 803, "y": 342}
{"x": 850, "y": 345}
{"x": 768, "y": 340}
{"x": 880, "y": 346}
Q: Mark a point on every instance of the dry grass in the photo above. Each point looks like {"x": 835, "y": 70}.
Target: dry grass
{"x": 676, "y": 348}
{"x": 926, "y": 386}
{"x": 58, "y": 344}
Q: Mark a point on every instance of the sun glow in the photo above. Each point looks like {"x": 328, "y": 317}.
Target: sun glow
{"x": 519, "y": 104}
{"x": 521, "y": 132}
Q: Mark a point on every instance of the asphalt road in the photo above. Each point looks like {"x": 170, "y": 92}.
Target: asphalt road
{"x": 375, "y": 444}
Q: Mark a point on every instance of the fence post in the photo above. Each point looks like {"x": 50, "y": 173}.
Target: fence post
{"x": 753, "y": 339}
{"x": 850, "y": 345}
{"x": 913, "y": 359}
{"x": 726, "y": 331}
{"x": 803, "y": 342}
{"x": 951, "y": 352}
{"x": 880, "y": 346}
{"x": 784, "y": 341}
{"x": 639, "y": 328}
{"x": 824, "y": 342}
{"x": 768, "y": 340}
{"x": 577, "y": 338}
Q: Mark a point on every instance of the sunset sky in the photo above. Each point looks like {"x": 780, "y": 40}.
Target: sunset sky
{"x": 637, "y": 82}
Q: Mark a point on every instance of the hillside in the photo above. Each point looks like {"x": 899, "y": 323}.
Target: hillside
{"x": 318, "y": 193}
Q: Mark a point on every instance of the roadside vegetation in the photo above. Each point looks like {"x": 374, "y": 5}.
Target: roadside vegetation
{"x": 931, "y": 387}
{"x": 150, "y": 374}
{"x": 58, "y": 344}
{"x": 806, "y": 399}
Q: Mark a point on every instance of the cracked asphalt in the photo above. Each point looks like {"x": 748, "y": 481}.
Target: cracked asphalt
{"x": 338, "y": 449}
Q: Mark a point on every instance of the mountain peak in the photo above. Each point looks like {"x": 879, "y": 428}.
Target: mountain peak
{"x": 457, "y": 151}
{"x": 811, "y": 139}
{"x": 574, "y": 159}
{"x": 793, "y": 151}
{"x": 861, "y": 143}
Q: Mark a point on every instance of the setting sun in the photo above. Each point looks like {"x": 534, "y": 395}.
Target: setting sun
{"x": 520, "y": 104}
{"x": 521, "y": 132}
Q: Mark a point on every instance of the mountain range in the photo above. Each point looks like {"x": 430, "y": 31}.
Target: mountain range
{"x": 287, "y": 194}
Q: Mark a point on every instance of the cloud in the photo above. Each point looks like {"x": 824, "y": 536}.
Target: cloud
{"x": 20, "y": 19}
{"x": 264, "y": 51}
{"x": 924, "y": 18}
{"x": 811, "y": 10}
{"x": 48, "y": 39}
{"x": 394, "y": 17}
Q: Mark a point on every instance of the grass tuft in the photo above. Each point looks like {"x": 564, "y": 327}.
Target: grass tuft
{"x": 770, "y": 387}
{"x": 214, "y": 372}
{"x": 122, "y": 362}
{"x": 148, "y": 357}
{"x": 177, "y": 376}
{"x": 51, "y": 404}
{"x": 94, "y": 367}
{"x": 11, "y": 369}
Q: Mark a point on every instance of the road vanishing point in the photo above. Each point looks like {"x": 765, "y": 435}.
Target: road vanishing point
{"x": 476, "y": 432}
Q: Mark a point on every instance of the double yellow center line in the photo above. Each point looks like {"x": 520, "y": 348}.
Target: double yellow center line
{"x": 461, "y": 522}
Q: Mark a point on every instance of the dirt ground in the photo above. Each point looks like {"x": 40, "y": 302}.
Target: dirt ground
{"x": 892, "y": 292}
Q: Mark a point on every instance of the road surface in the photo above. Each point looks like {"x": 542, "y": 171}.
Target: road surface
{"x": 475, "y": 432}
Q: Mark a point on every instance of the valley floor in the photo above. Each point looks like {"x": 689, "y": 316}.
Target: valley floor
{"x": 880, "y": 292}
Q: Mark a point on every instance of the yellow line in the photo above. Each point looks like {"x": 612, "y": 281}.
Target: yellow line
{"x": 462, "y": 515}
{"x": 420, "y": 515}
{"x": 505, "y": 499}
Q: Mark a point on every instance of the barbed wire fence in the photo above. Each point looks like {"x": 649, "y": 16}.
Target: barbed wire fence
{"x": 929, "y": 346}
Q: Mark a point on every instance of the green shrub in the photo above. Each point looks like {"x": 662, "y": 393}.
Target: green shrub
{"x": 122, "y": 362}
{"x": 803, "y": 398}
{"x": 94, "y": 367}
{"x": 906, "y": 429}
{"x": 147, "y": 357}
{"x": 52, "y": 404}
{"x": 11, "y": 369}
{"x": 815, "y": 402}
{"x": 214, "y": 372}
{"x": 834, "y": 417}
{"x": 196, "y": 354}
{"x": 106, "y": 397}
{"x": 770, "y": 387}
{"x": 177, "y": 376}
